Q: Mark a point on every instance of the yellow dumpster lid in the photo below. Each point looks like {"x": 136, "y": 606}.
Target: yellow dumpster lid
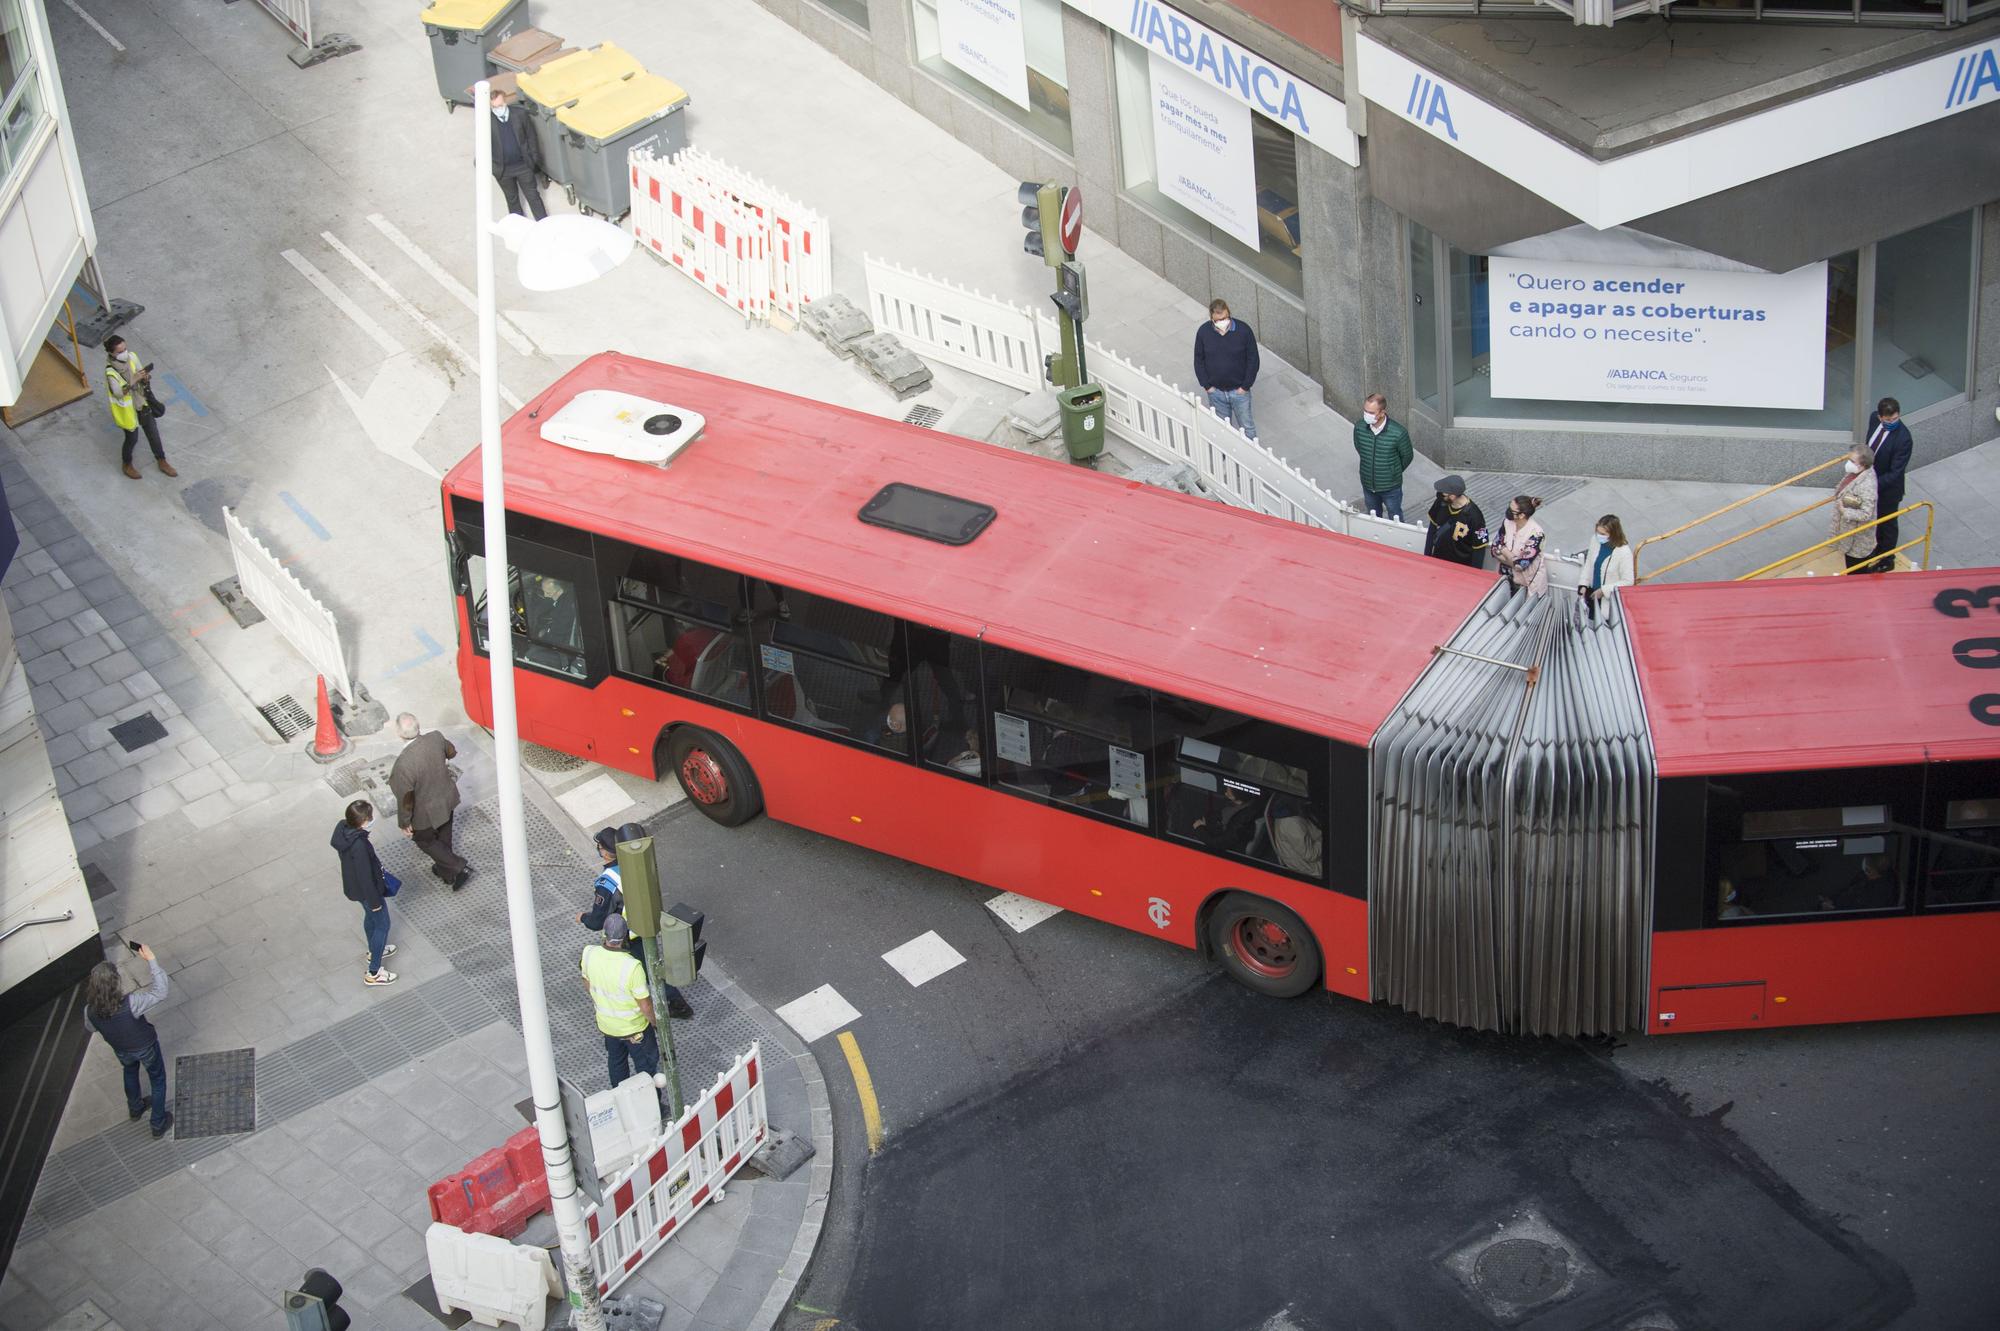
{"x": 569, "y": 77}
{"x": 608, "y": 111}
{"x": 473, "y": 14}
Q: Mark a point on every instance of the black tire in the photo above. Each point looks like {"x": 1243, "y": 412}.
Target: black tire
{"x": 713, "y": 775}
{"x": 1263, "y": 946}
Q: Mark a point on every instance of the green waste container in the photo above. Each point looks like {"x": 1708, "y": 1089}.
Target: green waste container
{"x": 603, "y": 127}
{"x": 561, "y": 82}
{"x": 1082, "y": 420}
{"x": 461, "y": 33}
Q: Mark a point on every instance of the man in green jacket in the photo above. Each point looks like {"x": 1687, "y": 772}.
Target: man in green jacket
{"x": 1384, "y": 448}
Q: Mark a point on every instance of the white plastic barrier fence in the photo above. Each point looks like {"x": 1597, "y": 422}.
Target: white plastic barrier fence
{"x": 493, "y": 1280}
{"x": 996, "y": 339}
{"x": 306, "y": 623}
{"x": 654, "y": 1199}
{"x": 296, "y": 15}
{"x": 755, "y": 249}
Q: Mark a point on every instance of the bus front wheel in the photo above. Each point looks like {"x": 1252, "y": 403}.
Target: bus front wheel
{"x": 1264, "y": 946}
{"x": 714, "y": 776}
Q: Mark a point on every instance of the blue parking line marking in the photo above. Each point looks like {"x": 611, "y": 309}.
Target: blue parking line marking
{"x": 312, "y": 523}
{"x": 431, "y": 652}
{"x": 179, "y": 393}
{"x": 80, "y": 292}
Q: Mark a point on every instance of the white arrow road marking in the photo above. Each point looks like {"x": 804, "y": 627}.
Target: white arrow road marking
{"x": 417, "y": 316}
{"x": 342, "y": 303}
{"x": 397, "y": 408}
{"x": 512, "y": 335}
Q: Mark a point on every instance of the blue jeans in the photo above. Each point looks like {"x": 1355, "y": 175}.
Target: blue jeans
{"x": 375, "y": 928}
{"x": 156, "y": 1077}
{"x": 643, "y": 1057}
{"x": 1233, "y": 405}
{"x": 1384, "y": 503}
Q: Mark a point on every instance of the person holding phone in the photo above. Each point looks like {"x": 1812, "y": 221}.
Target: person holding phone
{"x": 121, "y": 1019}
{"x": 129, "y": 387}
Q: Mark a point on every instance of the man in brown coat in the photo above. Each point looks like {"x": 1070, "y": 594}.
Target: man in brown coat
{"x": 426, "y": 795}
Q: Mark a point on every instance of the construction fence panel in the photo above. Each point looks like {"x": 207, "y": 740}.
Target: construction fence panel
{"x": 654, "y": 1199}
{"x": 295, "y": 15}
{"x": 307, "y": 624}
{"x": 752, "y": 247}
{"x": 986, "y": 335}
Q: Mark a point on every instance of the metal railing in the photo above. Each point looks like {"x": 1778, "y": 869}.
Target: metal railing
{"x": 29, "y": 924}
{"x": 1639, "y": 549}
{"x": 1930, "y": 518}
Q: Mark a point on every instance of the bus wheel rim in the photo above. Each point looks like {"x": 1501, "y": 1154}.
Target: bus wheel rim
{"x": 1265, "y": 947}
{"x": 704, "y": 777}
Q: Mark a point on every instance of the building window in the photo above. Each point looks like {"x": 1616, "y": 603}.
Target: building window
{"x": 1267, "y": 240}
{"x": 1030, "y": 88}
{"x": 1923, "y": 308}
{"x": 21, "y": 110}
{"x": 854, "y": 11}
{"x": 1423, "y": 316}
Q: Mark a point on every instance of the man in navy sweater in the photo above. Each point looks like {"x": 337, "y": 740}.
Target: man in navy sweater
{"x": 1225, "y": 365}
{"x": 1889, "y": 439}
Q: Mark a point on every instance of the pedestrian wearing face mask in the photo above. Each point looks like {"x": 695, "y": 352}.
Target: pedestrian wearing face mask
{"x": 1383, "y": 446}
{"x": 1607, "y": 567}
{"x": 1518, "y": 552}
{"x": 1225, "y": 365}
{"x": 128, "y": 386}
{"x": 517, "y": 159}
{"x": 1854, "y": 507}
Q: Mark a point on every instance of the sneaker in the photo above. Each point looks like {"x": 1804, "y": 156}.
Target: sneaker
{"x": 165, "y": 1127}
{"x": 167, "y": 468}
{"x": 381, "y": 977}
{"x": 144, "y": 1105}
{"x": 388, "y": 951}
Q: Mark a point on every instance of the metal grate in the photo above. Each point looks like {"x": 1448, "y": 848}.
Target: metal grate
{"x": 549, "y": 760}
{"x": 1521, "y": 1271}
{"x": 286, "y": 717}
{"x": 215, "y": 1095}
{"x": 926, "y": 416}
{"x": 346, "y": 779}
{"x": 138, "y": 732}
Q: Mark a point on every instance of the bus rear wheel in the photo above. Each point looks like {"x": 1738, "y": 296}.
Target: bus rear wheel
{"x": 714, "y": 776}
{"x": 1264, "y": 946}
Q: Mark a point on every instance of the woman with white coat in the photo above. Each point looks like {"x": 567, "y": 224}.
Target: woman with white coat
{"x": 1519, "y": 549}
{"x": 1608, "y": 565}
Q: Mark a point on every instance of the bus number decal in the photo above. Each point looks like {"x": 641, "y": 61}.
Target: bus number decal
{"x": 1974, "y": 653}
{"x": 1986, "y": 707}
{"x": 1959, "y": 602}
{"x": 1978, "y": 653}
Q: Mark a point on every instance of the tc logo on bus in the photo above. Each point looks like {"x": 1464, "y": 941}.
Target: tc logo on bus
{"x": 1159, "y": 912}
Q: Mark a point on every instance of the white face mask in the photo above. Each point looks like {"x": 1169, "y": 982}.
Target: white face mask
{"x": 1853, "y": 467}
{"x": 1222, "y": 325}
{"x": 1369, "y": 416}
{"x": 1604, "y": 536}
{"x": 500, "y": 114}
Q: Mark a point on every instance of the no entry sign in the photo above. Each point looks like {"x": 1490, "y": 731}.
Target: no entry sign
{"x": 1072, "y": 219}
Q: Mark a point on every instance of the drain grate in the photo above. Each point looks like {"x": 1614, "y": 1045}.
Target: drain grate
{"x": 286, "y": 717}
{"x": 1520, "y": 1265}
{"x": 549, "y": 760}
{"x": 1521, "y": 1271}
{"x": 215, "y": 1095}
{"x": 346, "y": 779}
{"x": 926, "y": 416}
{"x": 138, "y": 732}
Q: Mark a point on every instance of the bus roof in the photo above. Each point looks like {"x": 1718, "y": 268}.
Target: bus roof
{"x": 1797, "y": 673}
{"x": 1300, "y": 626}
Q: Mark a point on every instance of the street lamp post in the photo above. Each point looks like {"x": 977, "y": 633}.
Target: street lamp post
{"x": 558, "y": 252}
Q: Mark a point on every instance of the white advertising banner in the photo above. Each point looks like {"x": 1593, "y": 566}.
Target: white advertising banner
{"x": 988, "y": 40}
{"x": 1609, "y": 333}
{"x": 1201, "y": 147}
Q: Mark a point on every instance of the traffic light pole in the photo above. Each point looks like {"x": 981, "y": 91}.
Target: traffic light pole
{"x": 663, "y": 1026}
{"x": 639, "y": 882}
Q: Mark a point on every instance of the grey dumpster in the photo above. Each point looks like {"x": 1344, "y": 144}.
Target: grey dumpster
{"x": 561, "y": 82}
{"x": 606, "y": 124}
{"x": 461, "y": 33}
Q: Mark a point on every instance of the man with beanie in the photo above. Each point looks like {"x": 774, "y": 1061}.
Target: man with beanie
{"x": 624, "y": 1006}
{"x": 1458, "y": 529}
{"x": 1384, "y": 448}
{"x": 121, "y": 1019}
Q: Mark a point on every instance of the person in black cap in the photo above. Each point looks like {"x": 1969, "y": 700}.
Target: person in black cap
{"x": 607, "y": 898}
{"x": 1458, "y": 529}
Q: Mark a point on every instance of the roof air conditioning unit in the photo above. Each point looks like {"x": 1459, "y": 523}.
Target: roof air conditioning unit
{"x": 637, "y": 429}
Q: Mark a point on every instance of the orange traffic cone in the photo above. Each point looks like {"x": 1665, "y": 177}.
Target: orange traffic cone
{"x": 328, "y": 742}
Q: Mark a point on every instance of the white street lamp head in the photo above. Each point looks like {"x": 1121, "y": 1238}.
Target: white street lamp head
{"x": 563, "y": 251}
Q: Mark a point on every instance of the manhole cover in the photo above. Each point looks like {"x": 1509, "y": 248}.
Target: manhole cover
{"x": 1521, "y": 1271}
{"x": 346, "y": 779}
{"x": 548, "y": 760}
{"x": 140, "y": 731}
{"x": 925, "y": 416}
{"x": 286, "y": 717}
{"x": 215, "y": 1094}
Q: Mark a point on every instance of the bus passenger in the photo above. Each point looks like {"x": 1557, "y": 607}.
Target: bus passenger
{"x": 1871, "y": 889}
{"x": 891, "y": 730}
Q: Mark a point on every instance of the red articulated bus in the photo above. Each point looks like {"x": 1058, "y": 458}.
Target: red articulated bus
{"x": 1158, "y": 712}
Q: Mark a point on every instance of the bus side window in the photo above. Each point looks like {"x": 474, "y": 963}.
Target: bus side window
{"x": 1810, "y": 863}
{"x": 543, "y": 616}
{"x": 1242, "y": 786}
{"x": 675, "y": 621}
{"x": 944, "y": 689}
{"x": 1069, "y": 736}
{"x": 1964, "y": 865}
{"x": 830, "y": 666}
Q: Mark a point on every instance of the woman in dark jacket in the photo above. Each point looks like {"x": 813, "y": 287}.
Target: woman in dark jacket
{"x": 361, "y": 878}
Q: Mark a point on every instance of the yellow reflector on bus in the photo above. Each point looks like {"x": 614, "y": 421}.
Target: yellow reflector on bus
{"x": 626, "y": 711}
{"x": 1352, "y": 971}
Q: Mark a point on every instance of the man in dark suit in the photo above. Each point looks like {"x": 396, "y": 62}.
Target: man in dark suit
{"x": 1889, "y": 439}
{"x": 517, "y": 159}
{"x": 427, "y": 796}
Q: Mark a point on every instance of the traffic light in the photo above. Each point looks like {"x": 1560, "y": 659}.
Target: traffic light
{"x": 639, "y": 880}
{"x": 315, "y": 1304}
{"x": 681, "y": 948}
{"x": 1041, "y": 215}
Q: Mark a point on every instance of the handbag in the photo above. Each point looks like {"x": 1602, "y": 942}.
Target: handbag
{"x": 153, "y": 407}
{"x": 391, "y": 884}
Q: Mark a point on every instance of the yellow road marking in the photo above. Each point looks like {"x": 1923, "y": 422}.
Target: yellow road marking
{"x": 864, "y": 1086}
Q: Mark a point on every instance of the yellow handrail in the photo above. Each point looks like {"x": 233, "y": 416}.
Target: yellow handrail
{"x": 1730, "y": 508}
{"x": 1930, "y": 518}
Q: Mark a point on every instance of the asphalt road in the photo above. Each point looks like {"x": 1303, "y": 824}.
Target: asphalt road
{"x": 1083, "y": 1127}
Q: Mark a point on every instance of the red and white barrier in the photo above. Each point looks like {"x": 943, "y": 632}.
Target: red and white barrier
{"x": 653, "y": 1200}
{"x": 750, "y": 246}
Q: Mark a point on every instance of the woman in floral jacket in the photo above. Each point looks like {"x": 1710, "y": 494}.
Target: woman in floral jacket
{"x": 1854, "y": 508}
{"x": 1519, "y": 549}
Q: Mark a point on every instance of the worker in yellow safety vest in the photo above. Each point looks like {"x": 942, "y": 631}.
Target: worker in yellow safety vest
{"x": 127, "y": 384}
{"x": 618, "y": 991}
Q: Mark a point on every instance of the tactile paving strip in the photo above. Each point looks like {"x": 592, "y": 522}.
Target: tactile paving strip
{"x": 215, "y": 1095}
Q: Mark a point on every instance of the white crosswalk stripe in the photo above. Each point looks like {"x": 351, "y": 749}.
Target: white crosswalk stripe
{"x": 818, "y": 1014}
{"x": 1021, "y": 913}
{"x": 923, "y": 958}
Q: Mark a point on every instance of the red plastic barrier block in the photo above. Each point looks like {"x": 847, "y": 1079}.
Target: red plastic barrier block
{"x": 497, "y": 1191}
